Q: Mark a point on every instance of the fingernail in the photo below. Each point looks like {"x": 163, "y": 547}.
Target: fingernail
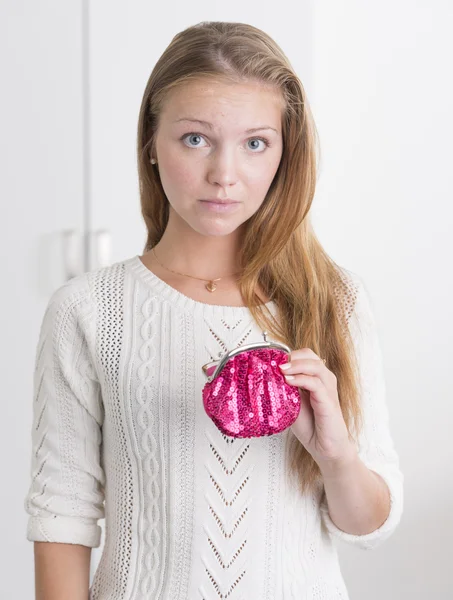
{"x": 289, "y": 376}
{"x": 285, "y": 366}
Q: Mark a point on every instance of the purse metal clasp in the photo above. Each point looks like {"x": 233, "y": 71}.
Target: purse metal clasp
{"x": 212, "y": 369}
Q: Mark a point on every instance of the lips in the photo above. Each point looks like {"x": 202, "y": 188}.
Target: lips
{"x": 215, "y": 201}
{"x": 217, "y": 206}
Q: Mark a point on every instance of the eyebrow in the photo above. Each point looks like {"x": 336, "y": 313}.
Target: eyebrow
{"x": 210, "y": 126}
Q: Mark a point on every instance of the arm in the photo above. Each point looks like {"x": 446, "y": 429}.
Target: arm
{"x": 358, "y": 498}
{"x": 61, "y": 571}
{"x": 66, "y": 493}
{"x": 363, "y": 500}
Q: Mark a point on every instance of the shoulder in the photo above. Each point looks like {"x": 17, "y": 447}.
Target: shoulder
{"x": 355, "y": 302}
{"x": 352, "y": 282}
{"x": 358, "y": 305}
{"x": 348, "y": 290}
{"x": 80, "y": 295}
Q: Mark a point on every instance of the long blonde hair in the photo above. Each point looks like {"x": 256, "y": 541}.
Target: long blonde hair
{"x": 279, "y": 250}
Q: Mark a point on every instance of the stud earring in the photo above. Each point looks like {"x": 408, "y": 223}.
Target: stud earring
{"x": 153, "y": 161}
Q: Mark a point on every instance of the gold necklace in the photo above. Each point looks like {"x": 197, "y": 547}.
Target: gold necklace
{"x": 210, "y": 286}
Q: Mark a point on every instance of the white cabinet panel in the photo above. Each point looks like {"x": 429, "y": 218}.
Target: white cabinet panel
{"x": 41, "y": 195}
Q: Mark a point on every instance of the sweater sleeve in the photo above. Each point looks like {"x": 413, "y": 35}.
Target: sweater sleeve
{"x": 375, "y": 444}
{"x": 65, "y": 498}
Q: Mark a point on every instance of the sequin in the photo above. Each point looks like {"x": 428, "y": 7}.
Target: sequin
{"x": 252, "y": 379}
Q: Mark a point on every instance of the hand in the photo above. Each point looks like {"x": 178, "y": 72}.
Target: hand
{"x": 320, "y": 425}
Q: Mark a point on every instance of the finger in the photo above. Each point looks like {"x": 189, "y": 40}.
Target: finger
{"x": 310, "y": 383}
{"x": 318, "y": 396}
{"x": 308, "y": 366}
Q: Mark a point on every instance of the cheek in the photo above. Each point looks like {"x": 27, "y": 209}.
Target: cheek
{"x": 176, "y": 177}
{"x": 260, "y": 179}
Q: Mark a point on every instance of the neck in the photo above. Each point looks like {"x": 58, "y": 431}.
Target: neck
{"x": 207, "y": 257}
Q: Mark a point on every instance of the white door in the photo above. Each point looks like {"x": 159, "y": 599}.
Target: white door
{"x": 42, "y": 195}
{"x": 124, "y": 45}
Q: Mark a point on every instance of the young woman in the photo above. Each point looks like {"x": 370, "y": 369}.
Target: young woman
{"x": 227, "y": 169}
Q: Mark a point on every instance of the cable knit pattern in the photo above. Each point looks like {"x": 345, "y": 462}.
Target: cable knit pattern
{"x": 119, "y": 432}
{"x": 146, "y": 436}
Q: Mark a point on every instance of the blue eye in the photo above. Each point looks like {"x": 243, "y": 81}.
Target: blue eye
{"x": 197, "y": 135}
{"x": 260, "y": 139}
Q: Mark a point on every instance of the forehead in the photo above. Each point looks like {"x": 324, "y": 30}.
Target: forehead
{"x": 219, "y": 103}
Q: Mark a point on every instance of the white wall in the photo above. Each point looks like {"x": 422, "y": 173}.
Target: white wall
{"x": 382, "y": 98}
{"x": 378, "y": 79}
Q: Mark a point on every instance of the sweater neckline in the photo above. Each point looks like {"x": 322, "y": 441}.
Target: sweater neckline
{"x": 175, "y": 296}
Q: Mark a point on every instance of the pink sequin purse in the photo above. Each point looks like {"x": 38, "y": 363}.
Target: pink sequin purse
{"x": 246, "y": 394}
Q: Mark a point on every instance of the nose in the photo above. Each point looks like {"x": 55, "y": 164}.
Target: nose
{"x": 222, "y": 168}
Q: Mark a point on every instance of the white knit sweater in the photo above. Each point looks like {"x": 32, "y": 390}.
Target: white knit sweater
{"x": 120, "y": 432}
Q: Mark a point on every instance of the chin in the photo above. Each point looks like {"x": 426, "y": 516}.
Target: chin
{"x": 216, "y": 227}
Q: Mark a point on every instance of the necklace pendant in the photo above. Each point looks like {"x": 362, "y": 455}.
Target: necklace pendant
{"x": 211, "y": 286}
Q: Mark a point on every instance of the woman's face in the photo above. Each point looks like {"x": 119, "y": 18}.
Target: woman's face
{"x": 218, "y": 158}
